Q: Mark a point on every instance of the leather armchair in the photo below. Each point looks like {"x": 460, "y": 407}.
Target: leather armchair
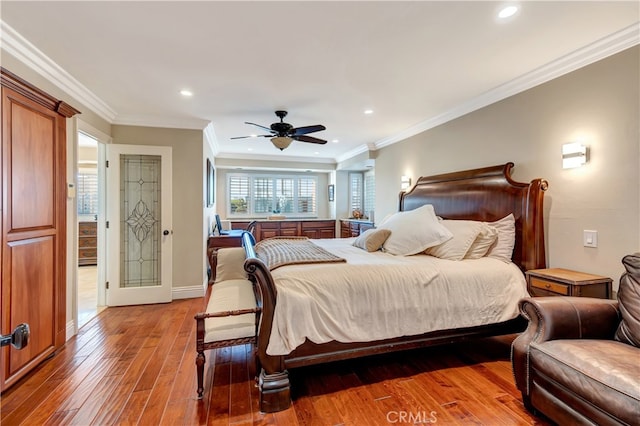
{"x": 572, "y": 365}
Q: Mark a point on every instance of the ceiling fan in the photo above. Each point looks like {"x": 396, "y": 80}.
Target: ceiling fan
{"x": 282, "y": 134}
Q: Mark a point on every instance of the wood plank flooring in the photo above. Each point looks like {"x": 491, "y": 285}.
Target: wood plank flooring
{"x": 136, "y": 365}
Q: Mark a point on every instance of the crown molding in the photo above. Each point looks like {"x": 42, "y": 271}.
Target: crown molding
{"x": 356, "y": 151}
{"x": 211, "y": 139}
{"x": 23, "y": 50}
{"x": 263, "y": 157}
{"x": 607, "y": 46}
{"x": 171, "y": 122}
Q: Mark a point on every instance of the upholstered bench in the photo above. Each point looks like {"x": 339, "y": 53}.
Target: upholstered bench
{"x": 232, "y": 314}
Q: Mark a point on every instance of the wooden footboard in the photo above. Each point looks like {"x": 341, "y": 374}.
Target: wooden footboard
{"x": 486, "y": 194}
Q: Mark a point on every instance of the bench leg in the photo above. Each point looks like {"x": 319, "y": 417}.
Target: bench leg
{"x": 200, "y": 360}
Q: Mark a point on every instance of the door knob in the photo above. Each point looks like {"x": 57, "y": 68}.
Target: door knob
{"x": 165, "y": 232}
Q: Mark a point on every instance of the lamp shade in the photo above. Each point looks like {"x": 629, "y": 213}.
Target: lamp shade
{"x": 281, "y": 142}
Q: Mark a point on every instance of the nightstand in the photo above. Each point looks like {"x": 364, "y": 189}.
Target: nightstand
{"x": 564, "y": 282}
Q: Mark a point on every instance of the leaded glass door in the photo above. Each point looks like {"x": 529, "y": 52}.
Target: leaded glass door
{"x": 139, "y": 233}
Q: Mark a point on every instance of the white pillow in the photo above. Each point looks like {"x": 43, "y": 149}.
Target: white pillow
{"x": 485, "y": 239}
{"x": 503, "y": 247}
{"x": 414, "y": 231}
{"x": 465, "y": 232}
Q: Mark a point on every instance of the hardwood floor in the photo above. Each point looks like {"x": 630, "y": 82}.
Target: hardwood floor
{"x": 136, "y": 365}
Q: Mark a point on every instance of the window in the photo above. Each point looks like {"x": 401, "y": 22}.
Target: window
{"x": 362, "y": 193}
{"x": 87, "y": 193}
{"x": 254, "y": 195}
{"x": 356, "y": 191}
{"x": 369, "y": 194}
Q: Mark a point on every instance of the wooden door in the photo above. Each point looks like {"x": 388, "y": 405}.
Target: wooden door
{"x": 33, "y": 199}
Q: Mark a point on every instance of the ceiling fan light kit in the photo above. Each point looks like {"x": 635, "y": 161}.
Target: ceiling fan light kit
{"x": 281, "y": 142}
{"x": 282, "y": 134}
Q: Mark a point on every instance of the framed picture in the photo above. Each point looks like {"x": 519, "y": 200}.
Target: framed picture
{"x": 332, "y": 193}
{"x": 210, "y": 184}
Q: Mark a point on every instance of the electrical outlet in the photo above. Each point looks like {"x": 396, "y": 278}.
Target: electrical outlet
{"x": 590, "y": 238}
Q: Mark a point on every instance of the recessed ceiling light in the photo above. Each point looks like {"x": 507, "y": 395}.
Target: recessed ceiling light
{"x": 368, "y": 111}
{"x": 254, "y": 136}
{"x": 185, "y": 92}
{"x": 250, "y": 149}
{"x": 507, "y": 11}
{"x": 335, "y": 141}
{"x": 316, "y": 153}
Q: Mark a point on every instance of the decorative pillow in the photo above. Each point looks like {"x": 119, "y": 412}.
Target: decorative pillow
{"x": 503, "y": 247}
{"x": 372, "y": 239}
{"x": 464, "y": 233}
{"x": 480, "y": 247}
{"x": 414, "y": 231}
{"x": 230, "y": 264}
{"x": 629, "y": 302}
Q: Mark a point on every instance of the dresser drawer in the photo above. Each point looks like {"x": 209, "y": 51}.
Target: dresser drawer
{"x": 549, "y": 286}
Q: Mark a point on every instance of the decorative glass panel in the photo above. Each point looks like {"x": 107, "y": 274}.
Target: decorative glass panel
{"x": 140, "y": 220}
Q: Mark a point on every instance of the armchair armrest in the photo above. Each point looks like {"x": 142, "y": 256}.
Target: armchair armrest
{"x": 553, "y": 318}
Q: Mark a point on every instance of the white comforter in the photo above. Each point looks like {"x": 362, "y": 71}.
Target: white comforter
{"x": 379, "y": 296}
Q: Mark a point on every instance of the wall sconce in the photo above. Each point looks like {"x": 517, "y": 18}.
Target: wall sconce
{"x": 405, "y": 183}
{"x": 574, "y": 155}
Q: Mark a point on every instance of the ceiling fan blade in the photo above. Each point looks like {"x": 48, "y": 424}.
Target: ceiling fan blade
{"x": 311, "y": 139}
{"x": 252, "y": 136}
{"x": 307, "y": 129}
{"x": 258, "y": 125}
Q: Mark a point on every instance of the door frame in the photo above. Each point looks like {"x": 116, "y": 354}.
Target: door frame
{"x": 74, "y": 126}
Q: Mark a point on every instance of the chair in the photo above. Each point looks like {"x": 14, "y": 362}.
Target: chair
{"x": 577, "y": 362}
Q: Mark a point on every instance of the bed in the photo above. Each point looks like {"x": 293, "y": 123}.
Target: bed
{"x": 486, "y": 195}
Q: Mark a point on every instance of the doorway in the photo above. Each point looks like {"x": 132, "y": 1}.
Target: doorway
{"x": 88, "y": 195}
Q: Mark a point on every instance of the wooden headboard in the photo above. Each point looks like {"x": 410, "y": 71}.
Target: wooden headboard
{"x": 488, "y": 194}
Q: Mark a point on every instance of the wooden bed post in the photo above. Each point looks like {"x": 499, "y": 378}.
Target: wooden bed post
{"x": 273, "y": 378}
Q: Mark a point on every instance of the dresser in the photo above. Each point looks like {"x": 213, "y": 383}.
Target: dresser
{"x": 353, "y": 227}
{"x": 310, "y": 228}
{"x": 87, "y": 243}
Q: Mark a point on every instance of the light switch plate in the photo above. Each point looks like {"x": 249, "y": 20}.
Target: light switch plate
{"x": 590, "y": 238}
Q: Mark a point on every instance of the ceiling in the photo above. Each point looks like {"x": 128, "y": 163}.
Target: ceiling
{"x": 415, "y": 64}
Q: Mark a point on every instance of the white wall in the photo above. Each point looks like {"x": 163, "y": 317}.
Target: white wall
{"x": 598, "y": 104}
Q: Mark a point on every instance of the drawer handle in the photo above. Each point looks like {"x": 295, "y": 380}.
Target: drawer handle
{"x": 547, "y": 285}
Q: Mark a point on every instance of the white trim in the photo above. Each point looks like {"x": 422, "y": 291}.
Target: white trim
{"x": 27, "y": 53}
{"x": 159, "y": 121}
{"x": 596, "y": 51}
{"x": 211, "y": 138}
{"x": 239, "y": 156}
{"x": 70, "y": 330}
{"x": 188, "y": 292}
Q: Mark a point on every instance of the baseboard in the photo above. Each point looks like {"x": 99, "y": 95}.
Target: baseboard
{"x": 187, "y": 292}
{"x": 71, "y": 330}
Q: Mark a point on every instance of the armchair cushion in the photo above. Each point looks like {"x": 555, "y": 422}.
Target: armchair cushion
{"x": 562, "y": 367}
{"x": 629, "y": 300}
